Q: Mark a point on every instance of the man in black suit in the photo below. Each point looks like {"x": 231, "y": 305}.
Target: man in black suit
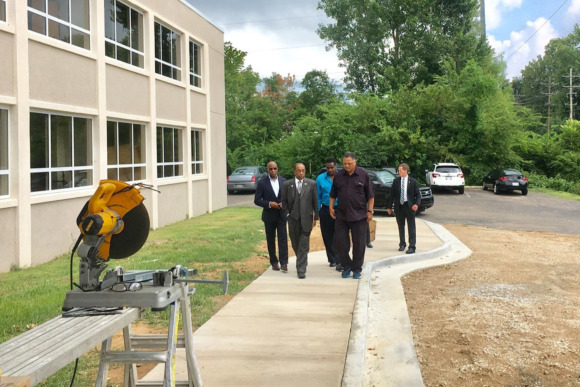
{"x": 407, "y": 197}
{"x": 269, "y": 196}
{"x": 300, "y": 202}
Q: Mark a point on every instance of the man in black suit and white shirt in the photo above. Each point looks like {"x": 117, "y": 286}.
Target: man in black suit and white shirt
{"x": 269, "y": 196}
{"x": 407, "y": 197}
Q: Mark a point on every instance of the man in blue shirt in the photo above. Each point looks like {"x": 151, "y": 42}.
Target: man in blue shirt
{"x": 323, "y": 186}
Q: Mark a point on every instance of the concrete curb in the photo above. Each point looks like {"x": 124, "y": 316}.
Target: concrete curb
{"x": 400, "y": 361}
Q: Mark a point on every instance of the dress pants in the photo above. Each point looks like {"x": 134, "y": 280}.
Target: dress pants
{"x": 358, "y": 230}
{"x": 405, "y": 213}
{"x": 278, "y": 226}
{"x": 327, "y": 230}
{"x": 300, "y": 244}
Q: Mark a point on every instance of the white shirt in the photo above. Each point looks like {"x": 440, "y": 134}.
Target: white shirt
{"x": 275, "y": 185}
{"x": 299, "y": 182}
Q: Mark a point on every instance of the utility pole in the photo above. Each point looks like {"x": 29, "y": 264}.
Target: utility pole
{"x": 549, "y": 94}
{"x": 570, "y": 93}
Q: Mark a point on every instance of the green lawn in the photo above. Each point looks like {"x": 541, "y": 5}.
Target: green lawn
{"x": 210, "y": 243}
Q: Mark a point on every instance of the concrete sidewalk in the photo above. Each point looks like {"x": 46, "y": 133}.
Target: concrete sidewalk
{"x": 282, "y": 331}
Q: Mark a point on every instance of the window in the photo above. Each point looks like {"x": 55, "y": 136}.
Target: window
{"x": 123, "y": 33}
{"x": 4, "y": 177}
{"x": 196, "y": 152}
{"x": 126, "y": 151}
{"x": 169, "y": 152}
{"x": 194, "y": 64}
{"x": 3, "y": 10}
{"x": 60, "y": 152}
{"x": 65, "y": 20}
{"x": 167, "y": 53}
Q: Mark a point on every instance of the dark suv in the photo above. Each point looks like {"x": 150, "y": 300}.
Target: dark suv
{"x": 383, "y": 181}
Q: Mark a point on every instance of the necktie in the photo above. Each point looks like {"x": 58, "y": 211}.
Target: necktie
{"x": 299, "y": 187}
{"x": 403, "y": 189}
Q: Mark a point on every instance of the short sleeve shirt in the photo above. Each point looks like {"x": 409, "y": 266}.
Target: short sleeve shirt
{"x": 353, "y": 193}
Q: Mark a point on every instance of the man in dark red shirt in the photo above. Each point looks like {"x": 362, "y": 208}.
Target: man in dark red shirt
{"x": 353, "y": 189}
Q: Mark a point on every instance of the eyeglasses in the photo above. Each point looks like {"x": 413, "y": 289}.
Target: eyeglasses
{"x": 272, "y": 169}
{"x": 127, "y": 286}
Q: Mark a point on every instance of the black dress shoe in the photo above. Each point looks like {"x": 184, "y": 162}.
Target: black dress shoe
{"x": 401, "y": 248}
{"x": 284, "y": 268}
{"x": 338, "y": 267}
{"x": 411, "y": 250}
{"x": 275, "y": 267}
{"x": 332, "y": 264}
{"x": 301, "y": 276}
{"x": 370, "y": 245}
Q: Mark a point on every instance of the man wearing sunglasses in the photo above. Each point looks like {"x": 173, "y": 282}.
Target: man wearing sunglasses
{"x": 269, "y": 197}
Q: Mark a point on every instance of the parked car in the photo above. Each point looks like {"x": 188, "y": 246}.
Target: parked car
{"x": 382, "y": 180}
{"x": 447, "y": 175}
{"x": 245, "y": 178}
{"x": 505, "y": 180}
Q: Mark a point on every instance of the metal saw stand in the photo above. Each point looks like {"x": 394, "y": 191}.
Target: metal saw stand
{"x": 165, "y": 345}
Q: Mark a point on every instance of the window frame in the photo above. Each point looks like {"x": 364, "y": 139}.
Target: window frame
{"x": 197, "y": 163}
{"x": 6, "y": 148}
{"x": 3, "y": 11}
{"x": 176, "y": 70}
{"x": 73, "y": 168}
{"x": 69, "y": 24}
{"x": 176, "y": 150}
{"x": 129, "y": 48}
{"x": 132, "y": 165}
{"x": 193, "y": 76}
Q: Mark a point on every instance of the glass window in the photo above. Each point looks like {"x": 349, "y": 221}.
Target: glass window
{"x": 4, "y": 171}
{"x": 169, "y": 152}
{"x": 60, "y": 152}
{"x": 196, "y": 152}
{"x": 194, "y": 64}
{"x": 167, "y": 52}
{"x": 124, "y": 33}
{"x": 3, "y": 10}
{"x": 126, "y": 151}
{"x": 64, "y": 20}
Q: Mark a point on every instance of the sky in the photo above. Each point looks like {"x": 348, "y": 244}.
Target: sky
{"x": 279, "y": 36}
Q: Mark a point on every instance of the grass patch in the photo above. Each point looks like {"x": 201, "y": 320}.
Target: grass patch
{"x": 557, "y": 194}
{"x": 211, "y": 243}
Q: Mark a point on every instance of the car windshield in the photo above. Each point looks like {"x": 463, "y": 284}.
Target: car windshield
{"x": 244, "y": 171}
{"x": 385, "y": 176}
{"x": 448, "y": 169}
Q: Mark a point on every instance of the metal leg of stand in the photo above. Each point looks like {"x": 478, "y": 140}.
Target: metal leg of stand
{"x": 169, "y": 375}
{"x": 193, "y": 372}
{"x": 103, "y": 366}
{"x": 130, "y": 374}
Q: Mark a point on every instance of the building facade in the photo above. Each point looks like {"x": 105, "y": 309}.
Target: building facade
{"x": 131, "y": 90}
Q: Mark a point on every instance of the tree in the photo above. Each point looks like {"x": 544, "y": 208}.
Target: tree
{"x": 389, "y": 44}
{"x": 319, "y": 90}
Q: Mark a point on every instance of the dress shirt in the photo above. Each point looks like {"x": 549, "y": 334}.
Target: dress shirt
{"x": 299, "y": 183}
{"x": 275, "y": 185}
{"x": 323, "y": 187}
{"x": 353, "y": 192}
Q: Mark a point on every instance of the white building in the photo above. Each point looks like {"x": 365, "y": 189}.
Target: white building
{"x": 94, "y": 89}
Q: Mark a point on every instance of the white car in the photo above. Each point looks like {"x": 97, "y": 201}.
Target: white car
{"x": 447, "y": 175}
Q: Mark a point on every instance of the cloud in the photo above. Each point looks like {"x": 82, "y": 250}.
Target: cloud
{"x": 573, "y": 13}
{"x": 517, "y": 51}
{"x": 494, "y": 10}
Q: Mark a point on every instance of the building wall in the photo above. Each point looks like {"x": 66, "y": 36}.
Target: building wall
{"x": 42, "y": 74}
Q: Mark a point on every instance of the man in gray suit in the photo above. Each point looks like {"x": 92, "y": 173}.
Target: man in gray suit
{"x": 300, "y": 201}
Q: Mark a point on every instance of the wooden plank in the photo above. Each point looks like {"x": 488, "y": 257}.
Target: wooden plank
{"x": 49, "y": 347}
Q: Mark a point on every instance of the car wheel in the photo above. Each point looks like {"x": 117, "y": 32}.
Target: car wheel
{"x": 524, "y": 191}
{"x": 461, "y": 190}
{"x": 484, "y": 186}
{"x": 495, "y": 189}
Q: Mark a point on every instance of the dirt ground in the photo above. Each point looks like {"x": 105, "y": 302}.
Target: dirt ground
{"x": 509, "y": 315}
{"x": 506, "y": 316}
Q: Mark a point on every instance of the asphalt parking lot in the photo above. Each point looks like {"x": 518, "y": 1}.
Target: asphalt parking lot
{"x": 476, "y": 207}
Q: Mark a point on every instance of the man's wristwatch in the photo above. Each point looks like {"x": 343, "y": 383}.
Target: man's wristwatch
{"x": 371, "y": 211}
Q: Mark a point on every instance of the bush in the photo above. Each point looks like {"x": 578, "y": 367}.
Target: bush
{"x": 555, "y": 183}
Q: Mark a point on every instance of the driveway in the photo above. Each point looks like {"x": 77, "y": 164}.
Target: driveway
{"x": 534, "y": 212}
